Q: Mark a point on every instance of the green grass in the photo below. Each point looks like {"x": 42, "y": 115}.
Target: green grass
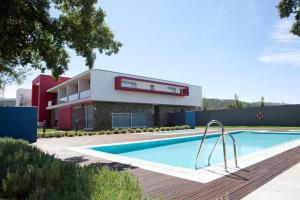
{"x": 28, "y": 173}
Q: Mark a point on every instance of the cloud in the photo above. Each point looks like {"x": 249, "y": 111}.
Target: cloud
{"x": 289, "y": 57}
{"x": 284, "y": 48}
{"x": 281, "y": 34}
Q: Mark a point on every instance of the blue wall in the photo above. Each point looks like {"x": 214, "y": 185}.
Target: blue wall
{"x": 18, "y": 123}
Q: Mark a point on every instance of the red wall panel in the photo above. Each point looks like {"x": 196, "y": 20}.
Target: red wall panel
{"x": 40, "y": 96}
{"x": 64, "y": 118}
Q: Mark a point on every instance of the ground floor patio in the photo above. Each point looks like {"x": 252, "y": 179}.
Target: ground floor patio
{"x": 238, "y": 185}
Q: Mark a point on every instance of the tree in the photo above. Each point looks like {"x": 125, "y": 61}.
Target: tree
{"x": 262, "y": 102}
{"x": 237, "y": 102}
{"x": 30, "y": 38}
{"x": 204, "y": 104}
{"x": 287, "y": 8}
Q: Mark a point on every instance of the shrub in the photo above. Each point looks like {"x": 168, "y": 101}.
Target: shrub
{"x": 124, "y": 130}
{"x": 177, "y": 127}
{"x": 156, "y": 129}
{"x": 172, "y": 128}
{"x": 79, "y": 134}
{"x": 162, "y": 128}
{"x": 145, "y": 129}
{"x": 116, "y": 131}
{"x": 71, "y": 134}
{"x": 41, "y": 135}
{"x": 138, "y": 130}
{"x": 91, "y": 133}
{"x": 168, "y": 128}
{"x": 150, "y": 130}
{"x": 108, "y": 132}
{"x": 186, "y": 127}
{"x": 29, "y": 173}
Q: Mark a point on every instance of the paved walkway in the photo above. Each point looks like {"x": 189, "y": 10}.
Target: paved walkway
{"x": 284, "y": 186}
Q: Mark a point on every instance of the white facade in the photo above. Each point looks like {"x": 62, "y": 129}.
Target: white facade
{"x": 23, "y": 97}
{"x": 100, "y": 85}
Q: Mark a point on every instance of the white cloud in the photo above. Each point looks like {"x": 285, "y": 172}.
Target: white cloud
{"x": 291, "y": 57}
{"x": 284, "y": 48}
{"x": 282, "y": 34}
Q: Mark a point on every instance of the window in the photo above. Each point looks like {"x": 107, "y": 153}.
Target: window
{"x": 128, "y": 84}
{"x": 172, "y": 89}
{"x": 126, "y": 120}
{"x": 152, "y": 87}
{"x": 88, "y": 114}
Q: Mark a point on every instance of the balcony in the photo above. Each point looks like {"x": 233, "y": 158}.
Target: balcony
{"x": 62, "y": 100}
{"x": 84, "y": 94}
{"x": 73, "y": 97}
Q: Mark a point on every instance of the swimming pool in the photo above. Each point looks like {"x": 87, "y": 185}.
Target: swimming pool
{"x": 181, "y": 152}
{"x": 176, "y": 156}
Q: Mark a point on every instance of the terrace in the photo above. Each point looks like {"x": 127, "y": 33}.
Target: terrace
{"x": 73, "y": 90}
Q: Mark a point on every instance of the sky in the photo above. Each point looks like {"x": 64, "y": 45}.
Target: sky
{"x": 226, "y": 46}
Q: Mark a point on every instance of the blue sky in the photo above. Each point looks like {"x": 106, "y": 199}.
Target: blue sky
{"x": 226, "y": 46}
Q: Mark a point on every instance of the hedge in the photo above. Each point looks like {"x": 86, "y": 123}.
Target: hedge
{"x": 56, "y": 133}
{"x": 28, "y": 173}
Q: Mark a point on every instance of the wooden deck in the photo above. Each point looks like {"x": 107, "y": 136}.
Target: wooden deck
{"x": 237, "y": 185}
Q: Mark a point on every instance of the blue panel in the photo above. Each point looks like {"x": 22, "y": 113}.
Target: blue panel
{"x": 190, "y": 118}
{"x": 18, "y": 123}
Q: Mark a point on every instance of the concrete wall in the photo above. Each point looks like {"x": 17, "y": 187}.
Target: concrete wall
{"x": 103, "y": 89}
{"x": 285, "y": 115}
{"x": 18, "y": 123}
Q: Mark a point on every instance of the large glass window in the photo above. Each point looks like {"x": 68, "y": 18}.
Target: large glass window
{"x": 88, "y": 112}
{"x": 126, "y": 120}
{"x": 121, "y": 120}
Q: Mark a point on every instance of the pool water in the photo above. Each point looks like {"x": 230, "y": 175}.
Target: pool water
{"x": 181, "y": 152}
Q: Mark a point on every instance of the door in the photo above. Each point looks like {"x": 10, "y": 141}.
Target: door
{"x": 156, "y": 116}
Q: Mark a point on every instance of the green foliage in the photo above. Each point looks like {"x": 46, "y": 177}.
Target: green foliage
{"x": 162, "y": 128}
{"x": 156, "y": 129}
{"x": 32, "y": 38}
{"x": 29, "y": 173}
{"x": 138, "y": 130}
{"x": 167, "y": 128}
{"x": 287, "y": 8}
{"x": 204, "y": 104}
{"x": 150, "y": 130}
{"x": 262, "y": 102}
{"x": 116, "y": 131}
{"x": 124, "y": 130}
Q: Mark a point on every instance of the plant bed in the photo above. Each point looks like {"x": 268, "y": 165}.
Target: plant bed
{"x": 28, "y": 173}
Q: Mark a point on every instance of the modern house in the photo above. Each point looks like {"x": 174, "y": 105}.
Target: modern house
{"x": 100, "y": 99}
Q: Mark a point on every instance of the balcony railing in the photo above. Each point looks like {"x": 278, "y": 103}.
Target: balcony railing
{"x": 73, "y": 97}
{"x": 62, "y": 99}
{"x": 84, "y": 94}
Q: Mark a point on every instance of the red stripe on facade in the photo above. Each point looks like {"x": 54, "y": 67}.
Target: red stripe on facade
{"x": 118, "y": 86}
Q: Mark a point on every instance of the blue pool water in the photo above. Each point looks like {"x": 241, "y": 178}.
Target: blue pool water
{"x": 181, "y": 152}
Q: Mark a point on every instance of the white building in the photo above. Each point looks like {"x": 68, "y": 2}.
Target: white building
{"x": 100, "y": 99}
{"x": 23, "y": 97}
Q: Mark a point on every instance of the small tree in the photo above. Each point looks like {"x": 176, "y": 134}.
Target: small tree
{"x": 262, "y": 102}
{"x": 204, "y": 104}
{"x": 237, "y": 102}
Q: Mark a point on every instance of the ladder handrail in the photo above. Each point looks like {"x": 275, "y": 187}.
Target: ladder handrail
{"x": 223, "y": 141}
{"x": 234, "y": 149}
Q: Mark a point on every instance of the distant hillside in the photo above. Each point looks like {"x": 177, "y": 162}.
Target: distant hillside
{"x": 216, "y": 104}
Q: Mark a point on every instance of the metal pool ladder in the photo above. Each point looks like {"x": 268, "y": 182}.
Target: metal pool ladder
{"x": 222, "y": 136}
